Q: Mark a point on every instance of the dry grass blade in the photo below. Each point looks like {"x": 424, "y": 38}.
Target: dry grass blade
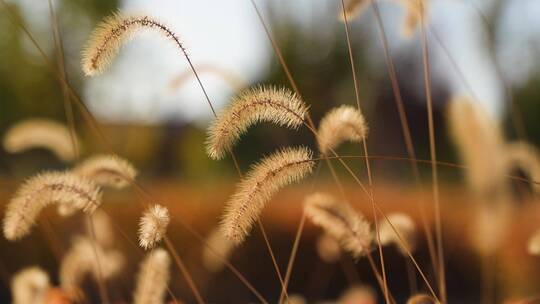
{"x": 406, "y": 228}
{"x": 81, "y": 260}
{"x": 153, "y": 277}
{"x": 261, "y": 182}
{"x": 279, "y": 106}
{"x": 41, "y": 133}
{"x": 344, "y": 123}
{"x": 340, "y": 221}
{"x": 218, "y": 249}
{"x": 153, "y": 226}
{"x": 107, "y": 170}
{"x": 112, "y": 33}
{"x": 42, "y": 190}
{"x": 30, "y": 285}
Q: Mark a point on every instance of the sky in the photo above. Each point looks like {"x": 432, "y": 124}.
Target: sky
{"x": 227, "y": 35}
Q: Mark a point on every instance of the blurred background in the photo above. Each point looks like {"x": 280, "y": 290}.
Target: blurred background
{"x": 150, "y": 107}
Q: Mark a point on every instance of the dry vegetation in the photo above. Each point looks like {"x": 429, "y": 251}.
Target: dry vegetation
{"x": 349, "y": 224}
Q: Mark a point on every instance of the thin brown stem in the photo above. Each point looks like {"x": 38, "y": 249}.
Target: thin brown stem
{"x": 68, "y": 109}
{"x": 405, "y": 130}
{"x": 379, "y": 277}
{"x": 368, "y": 166}
{"x": 433, "y": 154}
{"x": 145, "y": 196}
{"x": 311, "y": 127}
{"x": 103, "y": 293}
{"x": 274, "y": 262}
{"x": 293, "y": 256}
{"x": 411, "y": 277}
{"x": 89, "y": 119}
{"x": 183, "y": 270}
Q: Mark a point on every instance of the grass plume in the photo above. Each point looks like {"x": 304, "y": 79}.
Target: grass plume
{"x": 328, "y": 248}
{"x": 81, "y": 260}
{"x": 44, "y": 189}
{"x": 406, "y": 228}
{"x": 152, "y": 278}
{"x": 30, "y": 285}
{"x": 219, "y": 248}
{"x": 107, "y": 170}
{"x": 112, "y": 33}
{"x": 254, "y": 105}
{"x": 344, "y": 123}
{"x": 259, "y": 185}
{"x": 340, "y": 221}
{"x": 414, "y": 11}
{"x": 41, "y": 133}
{"x": 474, "y": 132}
{"x": 533, "y": 245}
{"x": 153, "y": 226}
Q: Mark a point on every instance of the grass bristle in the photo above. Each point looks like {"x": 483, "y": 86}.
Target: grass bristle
{"x": 152, "y": 278}
{"x": 81, "y": 260}
{"x": 259, "y": 185}
{"x": 112, "y": 33}
{"x": 340, "y": 221}
{"x": 107, "y": 170}
{"x": 344, "y": 123}
{"x": 270, "y": 104}
{"x": 44, "y": 189}
{"x": 153, "y": 226}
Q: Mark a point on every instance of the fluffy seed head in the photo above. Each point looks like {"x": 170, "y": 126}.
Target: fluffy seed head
{"x": 328, "y": 248}
{"x": 30, "y": 285}
{"x": 80, "y": 260}
{"x": 42, "y": 190}
{"x": 405, "y": 227}
{"x": 474, "y": 133}
{"x": 40, "y": 133}
{"x": 341, "y": 124}
{"x": 218, "y": 249}
{"x": 358, "y": 294}
{"x": 153, "y": 278}
{"x": 279, "y": 106}
{"x": 259, "y": 185}
{"x": 236, "y": 82}
{"x": 415, "y": 11}
{"x": 107, "y": 170}
{"x": 112, "y": 33}
{"x": 533, "y": 245}
{"x": 103, "y": 229}
{"x": 297, "y": 299}
{"x": 340, "y": 221}
{"x": 153, "y": 226}
{"x": 491, "y": 225}
{"x": 353, "y": 8}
